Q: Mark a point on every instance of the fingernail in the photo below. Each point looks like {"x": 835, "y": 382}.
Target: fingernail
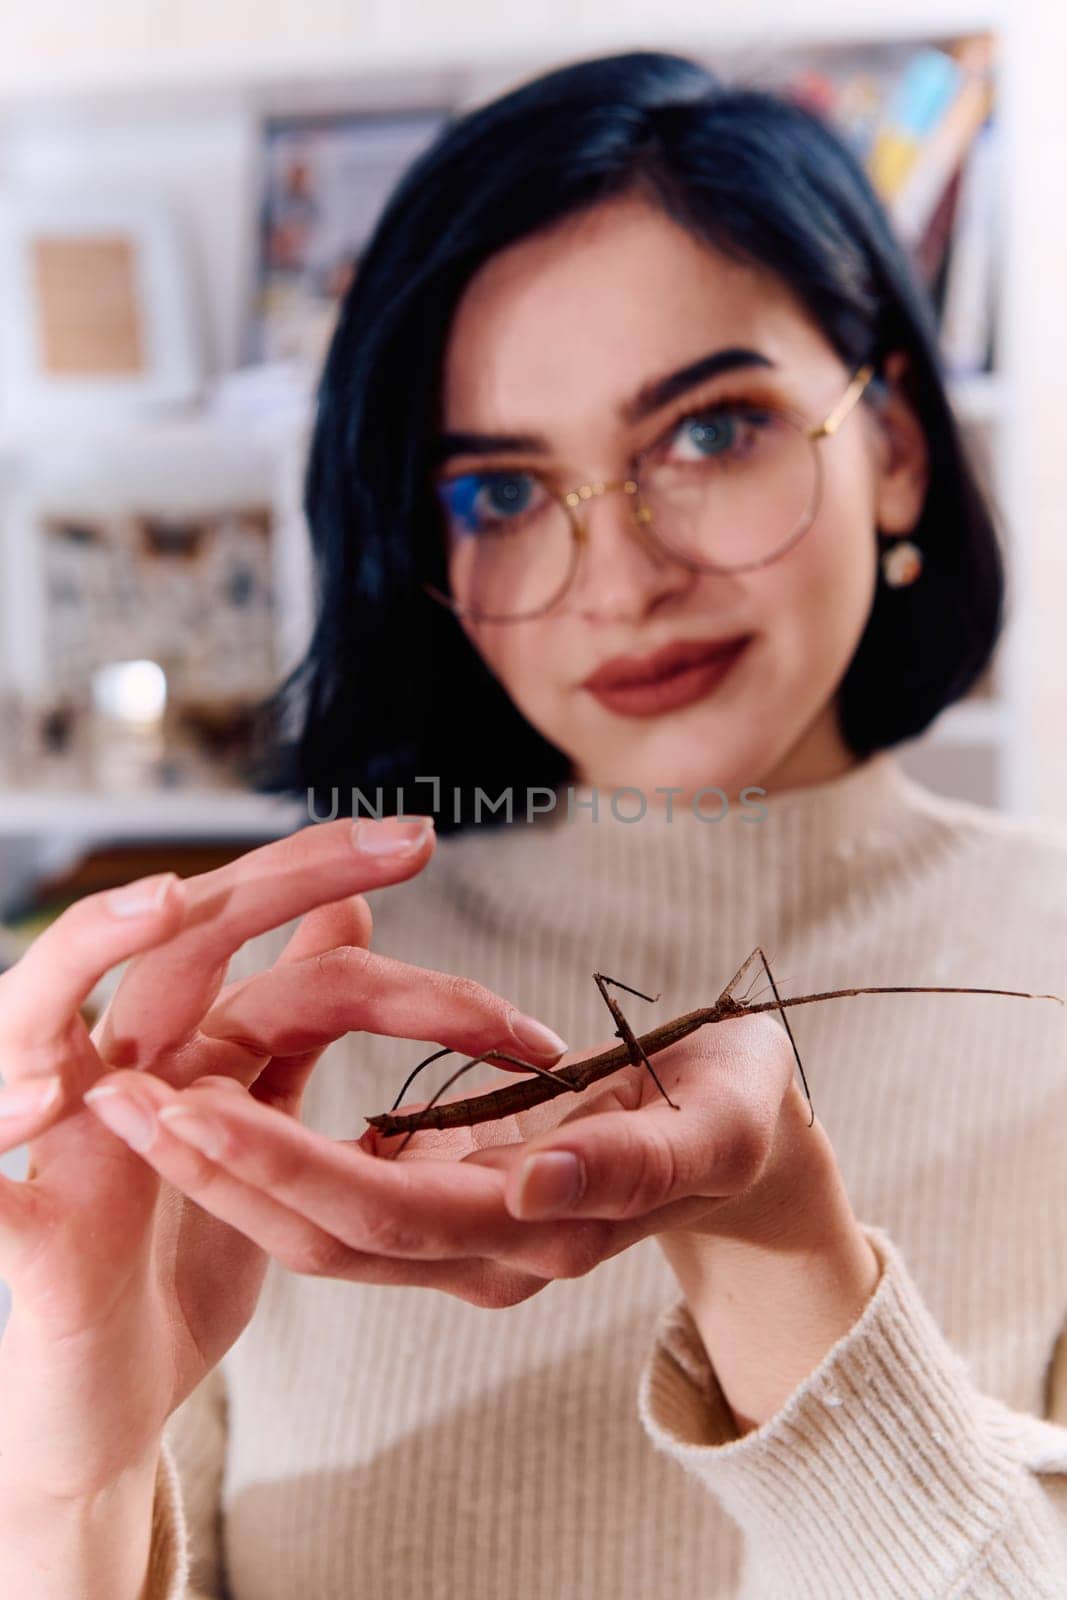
{"x": 533, "y": 1035}
{"x": 139, "y": 899}
{"x": 392, "y": 836}
{"x": 23, "y": 1099}
{"x": 193, "y": 1128}
{"x": 124, "y": 1115}
{"x": 550, "y": 1183}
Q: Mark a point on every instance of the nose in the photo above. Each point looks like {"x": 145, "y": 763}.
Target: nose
{"x": 622, "y": 573}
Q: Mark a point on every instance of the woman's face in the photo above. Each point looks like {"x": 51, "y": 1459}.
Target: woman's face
{"x": 552, "y": 337}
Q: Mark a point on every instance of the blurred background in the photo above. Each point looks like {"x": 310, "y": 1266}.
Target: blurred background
{"x": 184, "y": 195}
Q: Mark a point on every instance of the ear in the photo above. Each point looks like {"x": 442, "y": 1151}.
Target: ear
{"x": 904, "y": 463}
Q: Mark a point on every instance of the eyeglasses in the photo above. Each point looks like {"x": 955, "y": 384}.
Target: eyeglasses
{"x": 747, "y": 486}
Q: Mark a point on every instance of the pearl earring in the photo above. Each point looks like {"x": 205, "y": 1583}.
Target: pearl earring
{"x": 901, "y": 563}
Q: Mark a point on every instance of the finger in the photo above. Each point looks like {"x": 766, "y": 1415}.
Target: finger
{"x": 287, "y": 1235}
{"x": 234, "y": 1156}
{"x": 677, "y": 1214}
{"x": 281, "y": 1080}
{"x": 161, "y": 999}
{"x": 610, "y": 1160}
{"x": 22, "y": 1226}
{"x": 348, "y": 921}
{"x": 306, "y": 1005}
{"x": 27, "y": 1106}
{"x": 44, "y": 989}
{"x": 303, "y": 1247}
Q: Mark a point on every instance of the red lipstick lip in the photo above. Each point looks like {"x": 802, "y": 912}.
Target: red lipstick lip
{"x": 628, "y": 671}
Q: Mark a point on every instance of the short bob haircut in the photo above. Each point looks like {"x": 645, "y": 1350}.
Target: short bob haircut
{"x": 391, "y": 690}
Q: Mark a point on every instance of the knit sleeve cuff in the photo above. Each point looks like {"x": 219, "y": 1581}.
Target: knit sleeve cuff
{"x": 168, "y": 1564}
{"x": 877, "y": 1476}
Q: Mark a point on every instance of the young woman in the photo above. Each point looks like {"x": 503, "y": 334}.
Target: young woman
{"x": 644, "y": 532}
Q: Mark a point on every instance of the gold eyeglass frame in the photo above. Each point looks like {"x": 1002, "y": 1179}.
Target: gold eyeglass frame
{"x": 573, "y": 499}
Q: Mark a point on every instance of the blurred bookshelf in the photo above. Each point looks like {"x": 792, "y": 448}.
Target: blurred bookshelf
{"x": 928, "y": 105}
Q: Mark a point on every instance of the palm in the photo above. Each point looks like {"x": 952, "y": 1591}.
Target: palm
{"x": 127, "y": 1270}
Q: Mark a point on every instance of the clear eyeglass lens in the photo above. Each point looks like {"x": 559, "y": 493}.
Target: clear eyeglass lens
{"x": 748, "y": 485}
{"x": 736, "y": 489}
{"x": 511, "y": 544}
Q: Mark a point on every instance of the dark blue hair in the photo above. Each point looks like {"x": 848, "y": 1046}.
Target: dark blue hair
{"x": 391, "y": 689}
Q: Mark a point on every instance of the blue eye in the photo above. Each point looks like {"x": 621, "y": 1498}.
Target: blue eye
{"x": 477, "y": 501}
{"x": 508, "y": 495}
{"x": 711, "y": 434}
{"x": 727, "y": 435}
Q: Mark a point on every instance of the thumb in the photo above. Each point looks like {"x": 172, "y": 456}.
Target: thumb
{"x": 632, "y": 1153}
{"x": 620, "y": 1164}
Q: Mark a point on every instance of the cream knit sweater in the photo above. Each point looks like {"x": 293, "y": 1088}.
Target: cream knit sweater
{"x": 378, "y": 1443}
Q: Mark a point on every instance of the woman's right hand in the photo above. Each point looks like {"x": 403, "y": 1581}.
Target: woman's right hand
{"x": 124, "y": 1292}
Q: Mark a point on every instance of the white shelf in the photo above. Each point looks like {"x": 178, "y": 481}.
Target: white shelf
{"x": 219, "y": 814}
{"x": 156, "y": 433}
{"x": 205, "y": 814}
{"x": 433, "y": 63}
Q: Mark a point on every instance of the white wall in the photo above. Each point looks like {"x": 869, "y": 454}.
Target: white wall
{"x": 55, "y": 32}
{"x": 1042, "y": 265}
{"x": 108, "y": 34}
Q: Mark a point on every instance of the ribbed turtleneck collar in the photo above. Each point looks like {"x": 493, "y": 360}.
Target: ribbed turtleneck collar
{"x": 876, "y": 792}
{"x": 675, "y": 904}
{"x": 666, "y": 882}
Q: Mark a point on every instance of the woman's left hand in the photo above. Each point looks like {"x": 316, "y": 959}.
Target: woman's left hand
{"x": 460, "y": 1210}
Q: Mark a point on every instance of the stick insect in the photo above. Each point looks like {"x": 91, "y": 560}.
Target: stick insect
{"x": 634, "y": 1051}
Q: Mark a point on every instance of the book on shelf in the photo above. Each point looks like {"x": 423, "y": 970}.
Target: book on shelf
{"x": 917, "y": 105}
{"x": 946, "y": 143}
{"x": 967, "y": 311}
{"x": 926, "y": 130}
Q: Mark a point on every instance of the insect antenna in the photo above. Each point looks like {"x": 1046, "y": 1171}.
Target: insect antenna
{"x": 488, "y": 1055}
{"x": 410, "y": 1079}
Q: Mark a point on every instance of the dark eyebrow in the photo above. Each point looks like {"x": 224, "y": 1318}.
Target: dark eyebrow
{"x": 650, "y": 397}
{"x": 661, "y": 391}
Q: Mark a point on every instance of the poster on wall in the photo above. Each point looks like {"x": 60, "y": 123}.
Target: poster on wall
{"x": 152, "y": 641}
{"x": 325, "y": 180}
{"x": 97, "y": 311}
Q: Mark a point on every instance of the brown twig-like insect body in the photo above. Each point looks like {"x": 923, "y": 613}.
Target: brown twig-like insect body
{"x": 635, "y": 1050}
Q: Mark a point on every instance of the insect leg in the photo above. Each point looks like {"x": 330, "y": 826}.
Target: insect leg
{"x": 602, "y": 978}
{"x": 788, "y": 1029}
{"x": 742, "y": 969}
{"x": 624, "y": 1030}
